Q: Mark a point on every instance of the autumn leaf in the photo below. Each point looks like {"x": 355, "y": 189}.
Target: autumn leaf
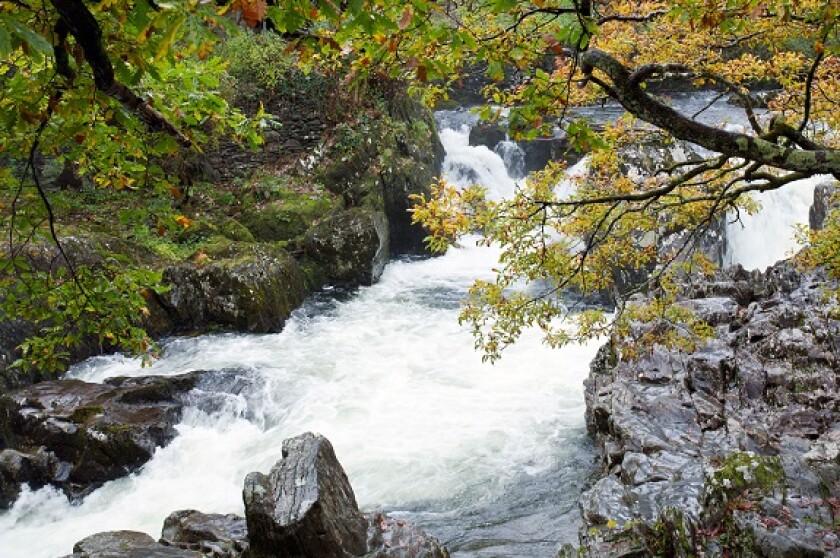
{"x": 185, "y": 222}
{"x": 253, "y": 11}
{"x": 405, "y": 20}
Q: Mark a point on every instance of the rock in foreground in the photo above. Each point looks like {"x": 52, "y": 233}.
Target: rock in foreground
{"x": 305, "y": 507}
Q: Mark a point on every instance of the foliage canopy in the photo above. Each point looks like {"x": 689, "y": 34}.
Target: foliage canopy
{"x": 114, "y": 87}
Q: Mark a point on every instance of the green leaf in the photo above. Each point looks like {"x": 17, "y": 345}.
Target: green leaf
{"x": 5, "y": 42}
{"x": 34, "y": 40}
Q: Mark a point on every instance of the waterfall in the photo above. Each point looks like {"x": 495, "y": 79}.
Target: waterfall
{"x": 760, "y": 240}
{"x": 489, "y": 458}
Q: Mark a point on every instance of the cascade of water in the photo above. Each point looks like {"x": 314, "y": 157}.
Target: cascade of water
{"x": 760, "y": 240}
{"x": 489, "y": 458}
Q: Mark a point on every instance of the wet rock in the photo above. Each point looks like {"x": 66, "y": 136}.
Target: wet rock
{"x": 388, "y": 537}
{"x": 739, "y": 435}
{"x": 250, "y": 288}
{"x": 214, "y": 535}
{"x": 824, "y": 202}
{"x": 536, "y": 153}
{"x": 127, "y": 544}
{"x": 350, "y": 247}
{"x": 305, "y": 507}
{"x": 77, "y": 435}
{"x": 415, "y": 164}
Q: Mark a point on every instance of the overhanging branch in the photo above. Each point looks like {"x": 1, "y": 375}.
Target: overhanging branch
{"x": 636, "y": 101}
{"x": 79, "y": 21}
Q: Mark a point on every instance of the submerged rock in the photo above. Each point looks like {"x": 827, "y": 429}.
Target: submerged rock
{"x": 727, "y": 446}
{"x": 77, "y": 435}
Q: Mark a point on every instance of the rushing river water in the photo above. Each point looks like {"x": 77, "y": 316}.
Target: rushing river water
{"x": 491, "y": 459}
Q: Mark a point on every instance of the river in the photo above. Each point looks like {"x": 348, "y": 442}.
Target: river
{"x": 490, "y": 459}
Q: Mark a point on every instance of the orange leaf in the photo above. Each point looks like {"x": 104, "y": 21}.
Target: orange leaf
{"x": 253, "y": 11}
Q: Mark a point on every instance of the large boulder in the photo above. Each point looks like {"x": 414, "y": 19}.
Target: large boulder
{"x": 286, "y": 219}
{"x": 305, "y": 507}
{"x": 243, "y": 287}
{"x": 77, "y": 435}
{"x": 350, "y": 248}
{"x": 727, "y": 443}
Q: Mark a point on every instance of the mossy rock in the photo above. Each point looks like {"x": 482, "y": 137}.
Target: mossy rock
{"x": 350, "y": 248}
{"x": 241, "y": 287}
{"x": 224, "y": 227}
{"x": 287, "y": 218}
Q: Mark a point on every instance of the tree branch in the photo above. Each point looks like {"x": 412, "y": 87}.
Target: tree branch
{"x": 86, "y": 30}
{"x": 642, "y": 105}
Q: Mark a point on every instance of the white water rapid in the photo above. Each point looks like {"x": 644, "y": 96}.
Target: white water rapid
{"x": 760, "y": 240}
{"x": 490, "y": 459}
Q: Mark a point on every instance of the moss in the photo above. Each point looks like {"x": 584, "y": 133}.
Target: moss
{"x": 737, "y": 482}
{"x": 82, "y": 415}
{"x": 288, "y": 217}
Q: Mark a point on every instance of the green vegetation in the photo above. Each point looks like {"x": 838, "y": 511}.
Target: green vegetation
{"x": 125, "y": 96}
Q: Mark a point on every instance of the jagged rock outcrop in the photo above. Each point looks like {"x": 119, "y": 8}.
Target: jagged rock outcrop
{"x": 77, "y": 435}
{"x": 729, "y": 447}
{"x": 824, "y": 201}
{"x": 305, "y": 507}
{"x": 245, "y": 287}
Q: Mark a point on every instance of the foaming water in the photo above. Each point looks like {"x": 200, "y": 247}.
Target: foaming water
{"x": 489, "y": 458}
{"x": 762, "y": 239}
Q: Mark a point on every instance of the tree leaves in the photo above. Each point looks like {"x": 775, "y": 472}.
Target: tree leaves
{"x": 253, "y": 12}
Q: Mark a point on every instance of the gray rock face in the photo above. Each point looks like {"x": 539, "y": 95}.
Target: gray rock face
{"x": 77, "y": 435}
{"x": 351, "y": 247}
{"x": 731, "y": 446}
{"x": 536, "y": 154}
{"x": 388, "y": 537}
{"x": 250, "y": 288}
{"x": 305, "y": 508}
{"x": 823, "y": 203}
